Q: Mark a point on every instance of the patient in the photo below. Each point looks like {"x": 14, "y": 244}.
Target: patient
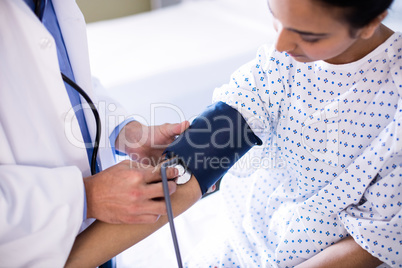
{"x": 325, "y": 190}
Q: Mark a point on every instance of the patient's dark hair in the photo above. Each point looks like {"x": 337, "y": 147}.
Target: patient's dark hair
{"x": 359, "y": 13}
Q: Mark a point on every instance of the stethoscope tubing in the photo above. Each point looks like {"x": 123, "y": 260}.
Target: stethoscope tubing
{"x": 169, "y": 210}
{"x": 97, "y": 119}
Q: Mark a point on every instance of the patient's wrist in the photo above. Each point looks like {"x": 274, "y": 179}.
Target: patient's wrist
{"x": 191, "y": 189}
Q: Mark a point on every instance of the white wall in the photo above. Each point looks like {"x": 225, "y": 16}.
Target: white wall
{"x": 97, "y": 10}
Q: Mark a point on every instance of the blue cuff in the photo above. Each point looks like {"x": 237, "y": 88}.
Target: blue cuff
{"x": 115, "y": 133}
{"x": 213, "y": 143}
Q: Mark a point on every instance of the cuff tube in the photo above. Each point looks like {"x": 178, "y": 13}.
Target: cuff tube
{"x": 213, "y": 143}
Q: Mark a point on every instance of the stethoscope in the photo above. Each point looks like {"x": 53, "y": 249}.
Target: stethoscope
{"x": 87, "y": 99}
{"x": 96, "y": 116}
{"x": 164, "y": 166}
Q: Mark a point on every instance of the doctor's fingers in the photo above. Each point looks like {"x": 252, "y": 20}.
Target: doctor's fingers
{"x": 141, "y": 219}
{"x": 171, "y": 130}
{"x": 148, "y": 211}
{"x": 154, "y": 174}
{"x": 148, "y": 172}
{"x": 155, "y": 190}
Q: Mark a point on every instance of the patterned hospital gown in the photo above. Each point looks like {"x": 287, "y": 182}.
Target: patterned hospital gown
{"x": 330, "y": 167}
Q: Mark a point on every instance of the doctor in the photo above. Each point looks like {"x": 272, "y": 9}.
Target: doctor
{"x": 46, "y": 187}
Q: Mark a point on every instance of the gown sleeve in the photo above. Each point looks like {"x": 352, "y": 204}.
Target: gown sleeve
{"x": 257, "y": 91}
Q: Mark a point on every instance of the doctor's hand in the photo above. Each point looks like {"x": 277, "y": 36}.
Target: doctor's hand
{"x": 128, "y": 193}
{"x": 147, "y": 143}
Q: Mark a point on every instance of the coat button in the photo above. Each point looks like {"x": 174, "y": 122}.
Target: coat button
{"x": 45, "y": 43}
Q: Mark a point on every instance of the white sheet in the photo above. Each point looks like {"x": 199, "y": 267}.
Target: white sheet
{"x": 162, "y": 66}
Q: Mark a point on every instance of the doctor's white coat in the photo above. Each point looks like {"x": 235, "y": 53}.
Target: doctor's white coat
{"x": 42, "y": 159}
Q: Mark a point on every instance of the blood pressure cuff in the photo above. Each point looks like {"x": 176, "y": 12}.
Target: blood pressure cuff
{"x": 213, "y": 143}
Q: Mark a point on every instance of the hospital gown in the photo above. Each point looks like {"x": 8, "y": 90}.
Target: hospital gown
{"x": 330, "y": 166}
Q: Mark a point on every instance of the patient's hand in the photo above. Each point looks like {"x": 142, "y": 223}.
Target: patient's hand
{"x": 147, "y": 143}
{"x": 344, "y": 253}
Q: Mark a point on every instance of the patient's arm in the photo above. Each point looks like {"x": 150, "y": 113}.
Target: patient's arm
{"x": 345, "y": 253}
{"x": 102, "y": 241}
{"x": 217, "y": 139}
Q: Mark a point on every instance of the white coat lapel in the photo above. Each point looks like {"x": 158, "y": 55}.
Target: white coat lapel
{"x": 38, "y": 121}
{"x": 73, "y": 28}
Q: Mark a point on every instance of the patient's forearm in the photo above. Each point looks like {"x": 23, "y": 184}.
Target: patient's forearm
{"x": 345, "y": 253}
{"x": 102, "y": 241}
